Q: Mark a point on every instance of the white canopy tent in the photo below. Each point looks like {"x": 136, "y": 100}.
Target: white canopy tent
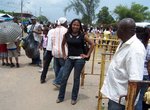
{"x": 6, "y": 15}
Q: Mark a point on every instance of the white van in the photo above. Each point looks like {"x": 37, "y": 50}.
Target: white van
{"x": 143, "y": 24}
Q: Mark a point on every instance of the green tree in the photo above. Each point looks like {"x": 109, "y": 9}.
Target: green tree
{"x": 86, "y": 8}
{"x": 104, "y": 17}
{"x": 137, "y": 12}
{"x": 2, "y": 11}
{"x": 42, "y": 18}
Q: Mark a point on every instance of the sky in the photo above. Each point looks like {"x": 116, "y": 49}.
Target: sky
{"x": 53, "y": 9}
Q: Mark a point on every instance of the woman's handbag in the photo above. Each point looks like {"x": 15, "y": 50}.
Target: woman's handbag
{"x": 86, "y": 48}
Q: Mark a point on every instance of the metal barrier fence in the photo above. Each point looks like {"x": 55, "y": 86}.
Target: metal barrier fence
{"x": 102, "y": 53}
{"x": 104, "y": 46}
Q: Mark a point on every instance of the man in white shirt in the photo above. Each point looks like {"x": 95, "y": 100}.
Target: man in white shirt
{"x": 143, "y": 33}
{"x": 59, "y": 61}
{"x": 127, "y": 64}
{"x": 36, "y": 29}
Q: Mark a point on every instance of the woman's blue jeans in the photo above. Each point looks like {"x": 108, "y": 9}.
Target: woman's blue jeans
{"x": 58, "y": 68}
{"x": 78, "y": 65}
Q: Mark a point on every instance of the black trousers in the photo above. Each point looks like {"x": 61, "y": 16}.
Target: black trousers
{"x": 47, "y": 59}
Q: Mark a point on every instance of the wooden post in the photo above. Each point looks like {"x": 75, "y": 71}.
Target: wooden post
{"x": 133, "y": 90}
{"x": 101, "y": 81}
{"x": 83, "y": 70}
{"x": 93, "y": 60}
{"x": 102, "y": 74}
{"x": 132, "y": 93}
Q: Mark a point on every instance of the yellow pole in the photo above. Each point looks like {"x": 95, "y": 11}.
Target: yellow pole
{"x": 93, "y": 60}
{"x": 101, "y": 80}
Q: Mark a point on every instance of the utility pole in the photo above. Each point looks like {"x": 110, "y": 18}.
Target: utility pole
{"x": 21, "y": 15}
{"x": 40, "y": 11}
{"x": 21, "y": 10}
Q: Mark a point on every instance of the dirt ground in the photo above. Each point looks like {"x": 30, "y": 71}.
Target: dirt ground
{"x": 20, "y": 89}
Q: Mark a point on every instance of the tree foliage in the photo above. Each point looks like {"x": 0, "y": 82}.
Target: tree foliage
{"x": 4, "y": 12}
{"x": 104, "y": 17}
{"x": 137, "y": 12}
{"x": 43, "y": 19}
{"x": 84, "y": 7}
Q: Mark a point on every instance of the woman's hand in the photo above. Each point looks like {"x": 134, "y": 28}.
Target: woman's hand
{"x": 84, "y": 56}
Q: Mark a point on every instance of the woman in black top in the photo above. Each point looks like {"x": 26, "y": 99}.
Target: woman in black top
{"x": 74, "y": 39}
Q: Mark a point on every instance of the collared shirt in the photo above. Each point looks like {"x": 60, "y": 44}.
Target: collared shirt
{"x": 37, "y": 37}
{"x": 49, "y": 42}
{"x": 57, "y": 38}
{"x": 127, "y": 64}
{"x": 106, "y": 34}
{"x": 36, "y": 27}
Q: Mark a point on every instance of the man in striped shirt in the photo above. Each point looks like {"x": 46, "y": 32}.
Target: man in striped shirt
{"x": 57, "y": 38}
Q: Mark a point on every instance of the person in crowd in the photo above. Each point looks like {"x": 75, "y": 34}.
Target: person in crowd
{"x": 57, "y": 38}
{"x": 47, "y": 56}
{"x": 42, "y": 25}
{"x": 85, "y": 29}
{"x": 12, "y": 52}
{"x": 49, "y": 25}
{"x": 15, "y": 20}
{"x": 107, "y": 35}
{"x": 127, "y": 64}
{"x": 145, "y": 88}
{"x": 144, "y": 34}
{"x": 4, "y": 54}
{"x": 36, "y": 29}
{"x": 75, "y": 59}
{"x": 44, "y": 43}
{"x": 148, "y": 67}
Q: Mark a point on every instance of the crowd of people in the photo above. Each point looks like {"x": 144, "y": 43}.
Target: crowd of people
{"x": 60, "y": 43}
{"x": 10, "y": 50}
{"x": 64, "y": 44}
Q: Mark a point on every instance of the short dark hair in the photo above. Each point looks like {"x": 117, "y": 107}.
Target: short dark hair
{"x": 143, "y": 35}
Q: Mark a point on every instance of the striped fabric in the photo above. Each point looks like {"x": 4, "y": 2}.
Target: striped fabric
{"x": 57, "y": 38}
{"x": 9, "y": 32}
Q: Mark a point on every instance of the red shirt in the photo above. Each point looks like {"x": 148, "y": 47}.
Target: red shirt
{"x": 3, "y": 48}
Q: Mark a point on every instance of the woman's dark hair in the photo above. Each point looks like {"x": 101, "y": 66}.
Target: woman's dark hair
{"x": 143, "y": 35}
{"x": 70, "y": 26}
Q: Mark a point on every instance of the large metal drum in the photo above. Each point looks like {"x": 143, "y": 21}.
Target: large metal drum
{"x": 9, "y": 32}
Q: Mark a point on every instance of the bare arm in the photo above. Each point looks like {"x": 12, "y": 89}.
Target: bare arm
{"x": 91, "y": 43}
{"x": 63, "y": 47}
